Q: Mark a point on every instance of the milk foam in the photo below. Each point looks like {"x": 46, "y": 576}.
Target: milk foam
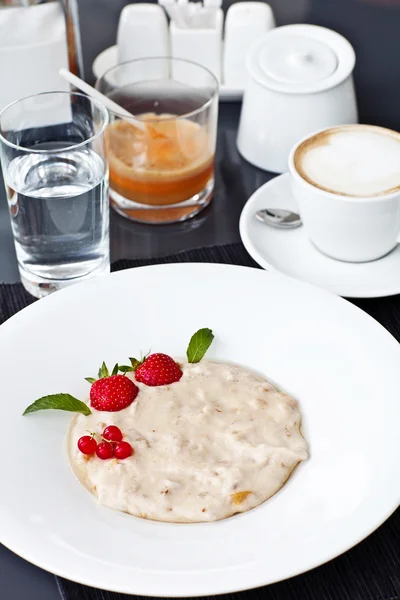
{"x": 354, "y": 161}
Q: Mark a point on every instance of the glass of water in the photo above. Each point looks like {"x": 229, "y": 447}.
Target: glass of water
{"x": 56, "y": 178}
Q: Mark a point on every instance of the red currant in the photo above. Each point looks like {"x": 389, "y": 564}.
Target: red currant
{"x": 123, "y": 450}
{"x": 87, "y": 444}
{"x": 112, "y": 433}
{"x": 105, "y": 450}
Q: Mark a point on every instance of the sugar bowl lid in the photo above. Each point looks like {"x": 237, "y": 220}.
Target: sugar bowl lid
{"x": 300, "y": 59}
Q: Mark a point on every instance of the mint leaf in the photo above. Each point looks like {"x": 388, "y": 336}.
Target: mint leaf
{"x": 115, "y": 370}
{"x": 58, "y": 402}
{"x": 90, "y": 379}
{"x": 199, "y": 344}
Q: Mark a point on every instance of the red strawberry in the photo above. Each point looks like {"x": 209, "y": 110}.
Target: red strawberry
{"x": 113, "y": 393}
{"x": 158, "y": 369}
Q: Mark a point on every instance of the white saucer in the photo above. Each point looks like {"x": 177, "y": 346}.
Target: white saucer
{"x": 291, "y": 252}
{"x": 109, "y": 58}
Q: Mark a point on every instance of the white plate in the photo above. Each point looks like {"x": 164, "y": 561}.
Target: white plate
{"x": 339, "y": 363}
{"x": 291, "y": 252}
{"x": 109, "y": 58}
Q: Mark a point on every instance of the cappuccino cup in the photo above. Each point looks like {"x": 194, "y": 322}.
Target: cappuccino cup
{"x": 346, "y": 181}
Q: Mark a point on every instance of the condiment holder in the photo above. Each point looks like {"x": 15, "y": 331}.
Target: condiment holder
{"x": 202, "y": 46}
{"x": 299, "y": 81}
{"x": 195, "y": 31}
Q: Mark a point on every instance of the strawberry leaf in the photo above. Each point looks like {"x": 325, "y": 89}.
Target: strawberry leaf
{"x": 103, "y": 371}
{"x": 125, "y": 368}
{"x": 115, "y": 370}
{"x": 58, "y": 402}
{"x": 199, "y": 344}
{"x": 135, "y": 363}
{"x": 90, "y": 379}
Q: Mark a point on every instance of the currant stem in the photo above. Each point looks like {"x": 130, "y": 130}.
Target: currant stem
{"x": 92, "y": 433}
{"x": 103, "y": 439}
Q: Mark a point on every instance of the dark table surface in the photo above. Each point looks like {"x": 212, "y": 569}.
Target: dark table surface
{"x": 372, "y": 27}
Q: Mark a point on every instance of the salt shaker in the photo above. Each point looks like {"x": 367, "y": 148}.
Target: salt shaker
{"x": 244, "y": 23}
{"x": 143, "y": 33}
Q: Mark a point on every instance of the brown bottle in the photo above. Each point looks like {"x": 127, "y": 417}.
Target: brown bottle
{"x": 73, "y": 36}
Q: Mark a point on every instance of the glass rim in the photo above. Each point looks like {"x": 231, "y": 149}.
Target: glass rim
{"x": 192, "y": 113}
{"x": 94, "y": 101}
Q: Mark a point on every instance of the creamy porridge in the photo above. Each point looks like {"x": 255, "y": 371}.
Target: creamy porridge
{"x": 221, "y": 440}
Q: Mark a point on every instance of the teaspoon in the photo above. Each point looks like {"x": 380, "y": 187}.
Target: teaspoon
{"x": 277, "y": 217}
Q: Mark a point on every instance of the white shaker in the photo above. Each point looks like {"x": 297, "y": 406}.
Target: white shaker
{"x": 244, "y": 23}
{"x": 300, "y": 80}
{"x": 143, "y": 33}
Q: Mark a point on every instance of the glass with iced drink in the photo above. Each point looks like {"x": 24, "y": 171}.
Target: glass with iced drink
{"x": 164, "y": 172}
